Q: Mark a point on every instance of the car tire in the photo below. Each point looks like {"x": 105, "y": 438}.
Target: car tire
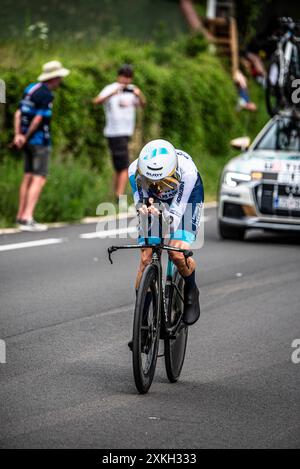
{"x": 231, "y": 232}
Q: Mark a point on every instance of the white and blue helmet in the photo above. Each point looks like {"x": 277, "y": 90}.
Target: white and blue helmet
{"x": 157, "y": 160}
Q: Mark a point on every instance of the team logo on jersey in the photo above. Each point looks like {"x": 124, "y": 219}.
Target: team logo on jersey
{"x": 180, "y": 192}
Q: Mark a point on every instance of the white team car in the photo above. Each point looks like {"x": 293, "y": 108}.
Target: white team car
{"x": 260, "y": 189}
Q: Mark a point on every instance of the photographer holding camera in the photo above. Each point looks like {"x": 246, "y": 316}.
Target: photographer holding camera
{"x": 120, "y": 100}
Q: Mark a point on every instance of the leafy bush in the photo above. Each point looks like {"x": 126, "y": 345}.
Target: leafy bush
{"x": 73, "y": 190}
{"x": 195, "y": 44}
{"x": 191, "y": 101}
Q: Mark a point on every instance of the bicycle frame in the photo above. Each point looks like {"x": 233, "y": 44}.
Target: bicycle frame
{"x": 165, "y": 292}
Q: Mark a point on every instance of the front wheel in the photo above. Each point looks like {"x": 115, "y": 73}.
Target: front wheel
{"x": 175, "y": 347}
{"x": 146, "y": 329}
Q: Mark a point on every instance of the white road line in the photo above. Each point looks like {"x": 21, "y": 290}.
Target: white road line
{"x": 108, "y": 233}
{"x": 31, "y": 244}
{"x": 116, "y": 232}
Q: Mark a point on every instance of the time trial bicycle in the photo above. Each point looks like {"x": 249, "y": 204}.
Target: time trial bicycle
{"x": 158, "y": 315}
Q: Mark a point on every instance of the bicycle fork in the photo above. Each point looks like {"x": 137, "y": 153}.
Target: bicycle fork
{"x": 170, "y": 286}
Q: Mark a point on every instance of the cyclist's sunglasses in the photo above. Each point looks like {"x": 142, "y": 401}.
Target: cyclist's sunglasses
{"x": 167, "y": 184}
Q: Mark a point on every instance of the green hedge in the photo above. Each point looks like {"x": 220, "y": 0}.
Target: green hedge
{"x": 191, "y": 101}
{"x": 73, "y": 190}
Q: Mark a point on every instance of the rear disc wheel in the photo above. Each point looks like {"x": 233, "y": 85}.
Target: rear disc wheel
{"x": 175, "y": 347}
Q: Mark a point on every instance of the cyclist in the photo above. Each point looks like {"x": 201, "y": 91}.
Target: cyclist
{"x": 167, "y": 176}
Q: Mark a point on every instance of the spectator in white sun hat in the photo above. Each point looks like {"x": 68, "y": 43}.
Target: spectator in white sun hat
{"x": 32, "y": 135}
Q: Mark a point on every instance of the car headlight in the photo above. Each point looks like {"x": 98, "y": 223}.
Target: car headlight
{"x": 232, "y": 179}
{"x": 256, "y": 175}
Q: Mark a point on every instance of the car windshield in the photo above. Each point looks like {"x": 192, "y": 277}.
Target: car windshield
{"x": 283, "y": 135}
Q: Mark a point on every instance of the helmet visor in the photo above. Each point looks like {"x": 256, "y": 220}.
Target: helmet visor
{"x": 167, "y": 184}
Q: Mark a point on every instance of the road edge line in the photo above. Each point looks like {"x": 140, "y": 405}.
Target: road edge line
{"x": 89, "y": 220}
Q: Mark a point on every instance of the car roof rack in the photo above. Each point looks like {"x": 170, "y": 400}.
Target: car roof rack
{"x": 289, "y": 112}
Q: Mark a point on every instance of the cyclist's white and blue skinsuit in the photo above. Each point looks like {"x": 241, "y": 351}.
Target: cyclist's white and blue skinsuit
{"x": 183, "y": 204}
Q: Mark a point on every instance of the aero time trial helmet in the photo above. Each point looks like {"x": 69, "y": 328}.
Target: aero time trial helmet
{"x": 157, "y": 160}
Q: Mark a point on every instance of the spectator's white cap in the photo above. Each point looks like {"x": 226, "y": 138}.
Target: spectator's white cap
{"x": 53, "y": 69}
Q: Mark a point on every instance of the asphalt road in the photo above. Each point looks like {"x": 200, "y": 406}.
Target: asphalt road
{"x": 66, "y": 317}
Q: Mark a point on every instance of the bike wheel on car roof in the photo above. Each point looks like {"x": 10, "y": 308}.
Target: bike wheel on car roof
{"x": 275, "y": 99}
{"x": 291, "y": 88}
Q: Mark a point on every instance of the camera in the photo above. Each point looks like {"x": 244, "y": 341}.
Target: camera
{"x": 128, "y": 89}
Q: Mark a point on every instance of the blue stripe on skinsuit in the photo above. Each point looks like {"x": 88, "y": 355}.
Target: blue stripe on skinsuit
{"x": 183, "y": 235}
{"x": 151, "y": 240}
{"x": 179, "y": 235}
{"x": 133, "y": 183}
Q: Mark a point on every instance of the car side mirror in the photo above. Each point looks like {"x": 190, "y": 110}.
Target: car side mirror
{"x": 241, "y": 143}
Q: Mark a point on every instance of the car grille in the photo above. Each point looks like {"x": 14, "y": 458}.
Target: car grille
{"x": 233, "y": 211}
{"x": 265, "y": 194}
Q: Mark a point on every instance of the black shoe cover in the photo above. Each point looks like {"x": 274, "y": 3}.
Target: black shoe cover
{"x": 191, "y": 310}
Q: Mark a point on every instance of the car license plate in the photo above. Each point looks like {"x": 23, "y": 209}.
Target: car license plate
{"x": 289, "y": 178}
{"x": 287, "y": 203}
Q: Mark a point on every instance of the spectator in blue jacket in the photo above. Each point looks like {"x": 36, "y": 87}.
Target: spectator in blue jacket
{"x": 32, "y": 135}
